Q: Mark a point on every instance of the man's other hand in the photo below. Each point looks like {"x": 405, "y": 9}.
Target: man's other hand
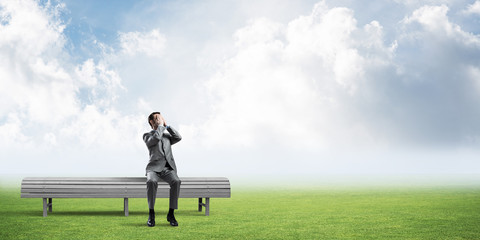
{"x": 164, "y": 122}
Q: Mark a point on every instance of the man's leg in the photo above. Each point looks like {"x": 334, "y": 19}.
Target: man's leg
{"x": 152, "y": 186}
{"x": 170, "y": 176}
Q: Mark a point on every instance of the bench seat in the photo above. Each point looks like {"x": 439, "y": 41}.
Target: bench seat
{"x": 121, "y": 187}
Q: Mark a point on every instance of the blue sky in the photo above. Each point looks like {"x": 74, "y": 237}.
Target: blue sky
{"x": 257, "y": 89}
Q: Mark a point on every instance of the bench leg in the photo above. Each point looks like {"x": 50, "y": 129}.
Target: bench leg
{"x": 45, "y": 207}
{"x": 50, "y": 205}
{"x": 207, "y": 206}
{"x": 125, "y": 206}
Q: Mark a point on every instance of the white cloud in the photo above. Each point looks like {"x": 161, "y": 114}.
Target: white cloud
{"x": 432, "y": 58}
{"x": 287, "y": 82}
{"x": 31, "y": 77}
{"x": 86, "y": 73}
{"x": 473, "y": 8}
{"x": 437, "y": 32}
{"x": 149, "y": 43}
{"x": 103, "y": 84}
{"x": 434, "y": 19}
{"x": 95, "y": 128}
{"x": 49, "y": 102}
{"x": 473, "y": 72}
{"x": 325, "y": 81}
{"x": 11, "y": 132}
{"x": 417, "y": 3}
{"x": 31, "y": 30}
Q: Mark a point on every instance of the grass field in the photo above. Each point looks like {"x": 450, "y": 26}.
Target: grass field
{"x": 256, "y": 213}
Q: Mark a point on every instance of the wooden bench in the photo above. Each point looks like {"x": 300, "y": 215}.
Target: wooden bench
{"x": 121, "y": 187}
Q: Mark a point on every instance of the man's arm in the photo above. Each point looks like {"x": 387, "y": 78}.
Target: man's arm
{"x": 152, "y": 138}
{"x": 175, "y": 135}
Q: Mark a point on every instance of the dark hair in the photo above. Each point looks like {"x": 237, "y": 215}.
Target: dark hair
{"x": 150, "y": 117}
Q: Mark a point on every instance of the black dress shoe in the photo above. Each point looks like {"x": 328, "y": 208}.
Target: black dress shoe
{"x": 172, "y": 220}
{"x": 150, "y": 222}
{"x": 151, "y": 218}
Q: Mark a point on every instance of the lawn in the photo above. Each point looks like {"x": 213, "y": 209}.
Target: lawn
{"x": 258, "y": 213}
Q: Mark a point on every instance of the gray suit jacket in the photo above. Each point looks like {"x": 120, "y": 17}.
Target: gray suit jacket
{"x": 159, "y": 146}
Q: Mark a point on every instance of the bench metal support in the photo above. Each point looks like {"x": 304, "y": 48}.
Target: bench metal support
{"x": 125, "y": 206}
{"x": 206, "y": 205}
{"x": 47, "y": 205}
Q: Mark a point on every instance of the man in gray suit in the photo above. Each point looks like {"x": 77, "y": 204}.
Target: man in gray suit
{"x": 161, "y": 165}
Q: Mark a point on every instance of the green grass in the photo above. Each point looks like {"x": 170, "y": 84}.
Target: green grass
{"x": 313, "y": 213}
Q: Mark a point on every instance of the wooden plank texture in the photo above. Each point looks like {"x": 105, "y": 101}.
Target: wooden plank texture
{"x": 119, "y": 187}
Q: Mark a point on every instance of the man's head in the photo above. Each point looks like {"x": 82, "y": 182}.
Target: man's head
{"x": 151, "y": 118}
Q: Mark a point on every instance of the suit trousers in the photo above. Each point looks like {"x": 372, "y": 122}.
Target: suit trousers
{"x": 168, "y": 175}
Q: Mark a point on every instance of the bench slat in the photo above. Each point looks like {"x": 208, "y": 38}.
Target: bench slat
{"x": 115, "y": 184}
{"x": 139, "y": 186}
{"x": 121, "y": 191}
{"x": 119, "y": 179}
{"x": 86, "y": 190}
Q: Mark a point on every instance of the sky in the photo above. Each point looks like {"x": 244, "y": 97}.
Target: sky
{"x": 257, "y": 89}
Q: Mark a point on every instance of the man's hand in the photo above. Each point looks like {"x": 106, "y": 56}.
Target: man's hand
{"x": 158, "y": 121}
{"x": 164, "y": 122}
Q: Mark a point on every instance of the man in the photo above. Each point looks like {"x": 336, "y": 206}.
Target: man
{"x": 161, "y": 165}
